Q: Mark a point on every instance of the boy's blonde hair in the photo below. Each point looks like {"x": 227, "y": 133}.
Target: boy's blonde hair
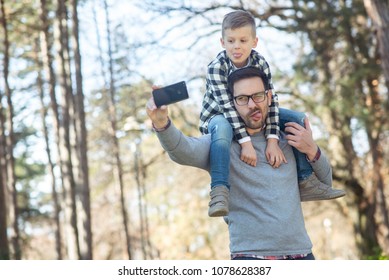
{"x": 237, "y": 19}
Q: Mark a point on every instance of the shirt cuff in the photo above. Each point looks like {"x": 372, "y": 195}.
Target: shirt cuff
{"x": 273, "y": 136}
{"x": 244, "y": 140}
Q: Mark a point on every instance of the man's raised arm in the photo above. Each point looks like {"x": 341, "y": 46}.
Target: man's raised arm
{"x": 182, "y": 149}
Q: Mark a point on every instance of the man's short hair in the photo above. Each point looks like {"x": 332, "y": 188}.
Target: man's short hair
{"x": 246, "y": 72}
{"x": 237, "y": 19}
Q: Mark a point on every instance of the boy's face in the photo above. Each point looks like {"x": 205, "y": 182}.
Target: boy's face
{"x": 238, "y": 43}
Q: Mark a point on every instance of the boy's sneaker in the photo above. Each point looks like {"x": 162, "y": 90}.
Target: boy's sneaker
{"x": 218, "y": 206}
{"x": 312, "y": 189}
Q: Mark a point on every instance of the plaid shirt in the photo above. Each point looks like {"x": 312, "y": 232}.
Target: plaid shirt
{"x": 218, "y": 100}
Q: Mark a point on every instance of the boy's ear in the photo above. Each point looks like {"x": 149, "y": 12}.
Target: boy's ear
{"x": 255, "y": 42}
{"x": 222, "y": 42}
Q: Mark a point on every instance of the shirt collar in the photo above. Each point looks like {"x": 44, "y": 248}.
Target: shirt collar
{"x": 236, "y": 68}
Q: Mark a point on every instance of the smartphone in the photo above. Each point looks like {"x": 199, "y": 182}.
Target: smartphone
{"x": 170, "y": 94}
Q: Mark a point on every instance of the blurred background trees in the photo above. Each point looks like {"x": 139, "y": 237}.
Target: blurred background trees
{"x": 82, "y": 175}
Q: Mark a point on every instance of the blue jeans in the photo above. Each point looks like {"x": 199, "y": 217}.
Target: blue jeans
{"x": 219, "y": 155}
{"x": 304, "y": 168}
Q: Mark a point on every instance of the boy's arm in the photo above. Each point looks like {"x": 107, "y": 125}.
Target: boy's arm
{"x": 274, "y": 154}
{"x": 272, "y": 120}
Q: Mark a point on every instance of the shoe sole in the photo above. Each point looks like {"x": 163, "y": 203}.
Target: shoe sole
{"x": 316, "y": 198}
{"x": 218, "y": 213}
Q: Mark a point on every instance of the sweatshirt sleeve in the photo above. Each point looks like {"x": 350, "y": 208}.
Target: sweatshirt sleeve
{"x": 323, "y": 170}
{"x": 185, "y": 150}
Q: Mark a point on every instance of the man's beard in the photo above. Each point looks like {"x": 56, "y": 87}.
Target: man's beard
{"x": 250, "y": 123}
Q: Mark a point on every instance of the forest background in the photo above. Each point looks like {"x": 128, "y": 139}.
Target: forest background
{"x": 83, "y": 175}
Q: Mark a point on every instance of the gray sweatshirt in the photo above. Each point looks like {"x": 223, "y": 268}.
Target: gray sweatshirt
{"x": 265, "y": 215}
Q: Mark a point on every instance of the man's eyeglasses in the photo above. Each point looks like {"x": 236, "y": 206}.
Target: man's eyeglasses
{"x": 257, "y": 97}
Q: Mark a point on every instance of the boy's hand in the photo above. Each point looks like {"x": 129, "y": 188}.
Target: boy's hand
{"x": 248, "y": 154}
{"x": 274, "y": 154}
{"x": 159, "y": 116}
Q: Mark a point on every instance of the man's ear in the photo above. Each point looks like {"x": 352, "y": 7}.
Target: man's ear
{"x": 269, "y": 95}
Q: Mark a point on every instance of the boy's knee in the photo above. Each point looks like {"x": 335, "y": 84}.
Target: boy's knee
{"x": 302, "y": 119}
{"x": 225, "y": 130}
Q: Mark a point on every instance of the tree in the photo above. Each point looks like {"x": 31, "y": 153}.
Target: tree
{"x": 346, "y": 71}
{"x": 109, "y": 91}
{"x": 10, "y": 142}
{"x": 47, "y": 67}
{"x": 378, "y": 11}
{"x": 4, "y": 248}
{"x": 84, "y": 214}
{"x": 51, "y": 166}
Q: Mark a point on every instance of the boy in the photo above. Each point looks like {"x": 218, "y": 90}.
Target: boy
{"x": 219, "y": 117}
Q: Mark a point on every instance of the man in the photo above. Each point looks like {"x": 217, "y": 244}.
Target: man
{"x": 265, "y": 218}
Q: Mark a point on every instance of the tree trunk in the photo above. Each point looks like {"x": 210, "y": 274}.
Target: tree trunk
{"x": 65, "y": 146}
{"x": 4, "y": 249}
{"x": 10, "y": 143}
{"x": 116, "y": 146}
{"x": 378, "y": 11}
{"x": 48, "y": 67}
{"x": 140, "y": 189}
{"x": 140, "y": 177}
{"x": 45, "y": 132}
{"x": 84, "y": 214}
{"x": 374, "y": 130}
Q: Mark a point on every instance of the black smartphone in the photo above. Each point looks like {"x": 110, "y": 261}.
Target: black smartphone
{"x": 170, "y": 94}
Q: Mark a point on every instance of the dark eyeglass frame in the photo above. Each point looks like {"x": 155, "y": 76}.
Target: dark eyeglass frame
{"x": 257, "y": 97}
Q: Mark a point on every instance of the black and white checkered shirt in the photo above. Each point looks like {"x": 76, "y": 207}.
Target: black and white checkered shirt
{"x": 218, "y": 100}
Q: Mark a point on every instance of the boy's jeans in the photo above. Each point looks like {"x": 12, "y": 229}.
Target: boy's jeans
{"x": 304, "y": 168}
{"x": 221, "y": 138}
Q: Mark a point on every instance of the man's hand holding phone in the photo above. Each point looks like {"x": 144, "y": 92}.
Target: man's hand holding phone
{"x": 156, "y": 107}
{"x": 158, "y": 116}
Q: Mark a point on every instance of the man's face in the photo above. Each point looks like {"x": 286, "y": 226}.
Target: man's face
{"x": 238, "y": 43}
{"x": 253, "y": 114}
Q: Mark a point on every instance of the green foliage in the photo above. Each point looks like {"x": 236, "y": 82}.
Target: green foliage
{"x": 378, "y": 255}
